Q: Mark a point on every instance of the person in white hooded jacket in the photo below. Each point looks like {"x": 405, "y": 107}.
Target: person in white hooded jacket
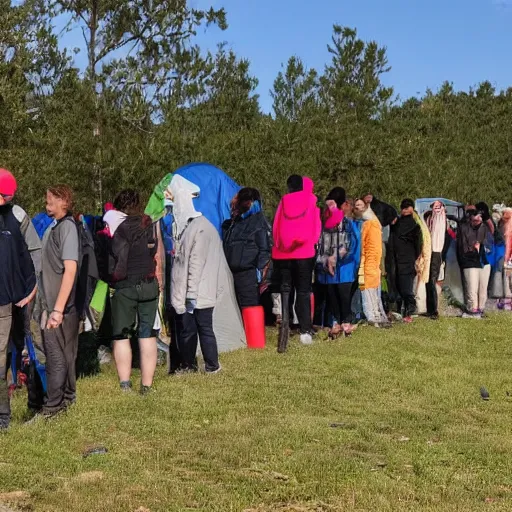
{"x": 198, "y": 255}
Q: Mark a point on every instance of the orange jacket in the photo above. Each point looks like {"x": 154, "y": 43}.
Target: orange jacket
{"x": 371, "y": 254}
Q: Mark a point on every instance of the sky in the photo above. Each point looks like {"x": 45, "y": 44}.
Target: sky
{"x": 428, "y": 41}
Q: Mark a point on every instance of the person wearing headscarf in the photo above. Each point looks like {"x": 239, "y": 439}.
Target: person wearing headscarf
{"x": 198, "y": 256}
{"x": 473, "y": 245}
{"x": 369, "y": 275}
{"x": 338, "y": 261}
{"x": 405, "y": 244}
{"x": 438, "y": 228}
{"x": 247, "y": 241}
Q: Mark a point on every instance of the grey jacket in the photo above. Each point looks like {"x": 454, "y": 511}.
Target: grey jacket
{"x": 195, "y": 270}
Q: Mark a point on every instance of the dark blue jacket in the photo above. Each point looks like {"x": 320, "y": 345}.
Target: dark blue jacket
{"x": 17, "y": 274}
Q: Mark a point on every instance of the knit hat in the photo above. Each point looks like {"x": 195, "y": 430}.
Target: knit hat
{"x": 8, "y": 183}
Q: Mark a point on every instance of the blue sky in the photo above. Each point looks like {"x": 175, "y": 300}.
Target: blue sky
{"x": 428, "y": 41}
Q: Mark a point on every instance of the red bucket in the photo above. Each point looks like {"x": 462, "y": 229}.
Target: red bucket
{"x": 254, "y": 324}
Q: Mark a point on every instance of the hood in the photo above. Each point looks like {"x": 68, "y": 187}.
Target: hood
{"x": 113, "y": 219}
{"x": 295, "y": 204}
{"x": 183, "y": 193}
{"x": 307, "y": 185}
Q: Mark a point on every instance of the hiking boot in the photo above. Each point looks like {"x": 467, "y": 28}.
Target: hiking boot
{"x": 146, "y": 390}
{"x": 306, "y": 339}
{"x": 126, "y": 386}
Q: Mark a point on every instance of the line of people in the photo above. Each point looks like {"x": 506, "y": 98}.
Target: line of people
{"x": 362, "y": 259}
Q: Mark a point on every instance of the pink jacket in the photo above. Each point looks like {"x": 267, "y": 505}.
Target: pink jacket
{"x": 297, "y": 225}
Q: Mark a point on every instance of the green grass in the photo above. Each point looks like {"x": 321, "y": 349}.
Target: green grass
{"x": 412, "y": 434}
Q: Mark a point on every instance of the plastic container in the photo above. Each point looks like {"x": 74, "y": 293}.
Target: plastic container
{"x": 254, "y": 324}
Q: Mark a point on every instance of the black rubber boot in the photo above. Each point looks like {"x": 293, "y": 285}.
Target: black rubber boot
{"x": 284, "y": 331}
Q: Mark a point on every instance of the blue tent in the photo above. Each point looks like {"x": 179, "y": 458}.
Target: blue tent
{"x": 217, "y": 190}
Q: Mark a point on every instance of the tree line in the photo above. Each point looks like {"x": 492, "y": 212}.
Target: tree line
{"x": 150, "y": 99}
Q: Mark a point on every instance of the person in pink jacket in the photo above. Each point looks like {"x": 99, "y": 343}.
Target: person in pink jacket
{"x": 296, "y": 231}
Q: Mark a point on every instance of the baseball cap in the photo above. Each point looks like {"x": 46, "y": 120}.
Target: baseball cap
{"x": 8, "y": 185}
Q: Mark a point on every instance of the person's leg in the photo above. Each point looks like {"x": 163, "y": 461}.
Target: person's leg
{"x": 431, "y": 286}
{"x": 56, "y": 369}
{"x": 5, "y": 330}
{"x": 174, "y": 325}
{"x": 406, "y": 288}
{"x": 207, "y": 339}
{"x": 345, "y": 298}
{"x": 247, "y": 288}
{"x": 333, "y": 302}
{"x": 124, "y": 319}
{"x": 284, "y": 269}
{"x": 483, "y": 287}
{"x": 471, "y": 280}
{"x": 187, "y": 342}
{"x": 70, "y": 328}
{"x": 147, "y": 310}
{"x": 302, "y": 272}
{"x": 321, "y": 304}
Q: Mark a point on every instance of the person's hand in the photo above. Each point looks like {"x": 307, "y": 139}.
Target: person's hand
{"x": 55, "y": 320}
{"x": 477, "y": 246}
{"x": 28, "y": 299}
{"x": 331, "y": 264}
{"x": 190, "y": 306}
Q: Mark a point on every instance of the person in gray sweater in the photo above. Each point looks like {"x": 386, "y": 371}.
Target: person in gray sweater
{"x": 198, "y": 255}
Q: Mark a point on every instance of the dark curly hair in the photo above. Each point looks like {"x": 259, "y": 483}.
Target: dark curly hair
{"x": 128, "y": 201}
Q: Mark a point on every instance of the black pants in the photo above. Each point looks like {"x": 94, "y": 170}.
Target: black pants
{"x": 247, "y": 288}
{"x": 298, "y": 274}
{"x": 405, "y": 283}
{"x": 193, "y": 324}
{"x": 435, "y": 269}
{"x": 61, "y": 348}
{"x": 320, "y": 316}
{"x": 340, "y": 300}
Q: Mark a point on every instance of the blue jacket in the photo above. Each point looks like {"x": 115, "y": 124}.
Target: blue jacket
{"x": 347, "y": 267}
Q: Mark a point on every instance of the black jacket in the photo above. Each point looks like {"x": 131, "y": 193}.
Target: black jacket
{"x": 384, "y": 212}
{"x": 133, "y": 249}
{"x": 247, "y": 242}
{"x": 17, "y": 274}
{"x": 405, "y": 244}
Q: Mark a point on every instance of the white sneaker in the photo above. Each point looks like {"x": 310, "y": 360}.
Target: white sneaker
{"x": 306, "y": 339}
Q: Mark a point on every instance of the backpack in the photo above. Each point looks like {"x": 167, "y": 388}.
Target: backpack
{"x": 87, "y": 271}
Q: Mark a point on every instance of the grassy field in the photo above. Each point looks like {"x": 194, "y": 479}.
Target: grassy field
{"x": 385, "y": 420}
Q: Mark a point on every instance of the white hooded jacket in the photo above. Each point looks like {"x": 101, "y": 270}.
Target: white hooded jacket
{"x": 198, "y": 251}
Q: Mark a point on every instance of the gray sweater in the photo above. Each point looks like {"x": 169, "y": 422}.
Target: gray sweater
{"x": 195, "y": 270}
